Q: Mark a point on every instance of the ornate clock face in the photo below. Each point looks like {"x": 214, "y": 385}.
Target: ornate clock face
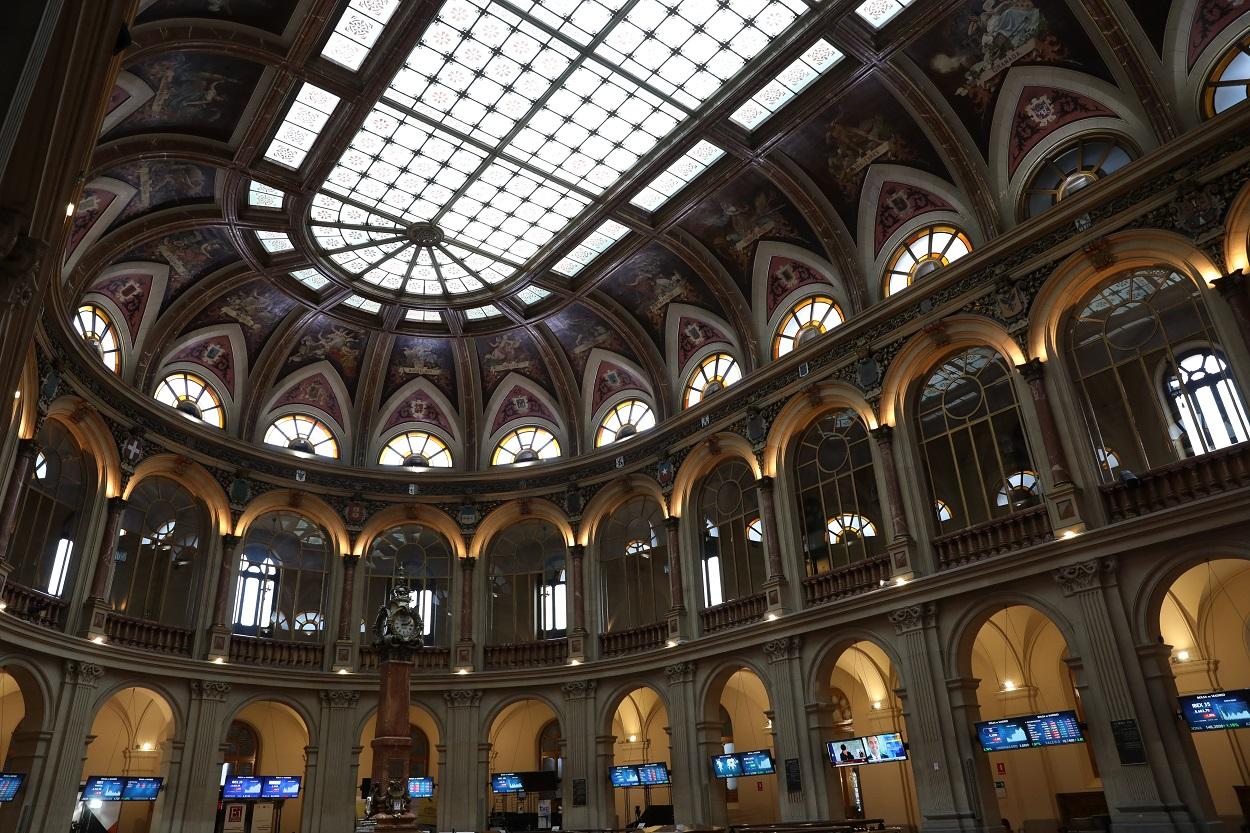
{"x": 403, "y": 625}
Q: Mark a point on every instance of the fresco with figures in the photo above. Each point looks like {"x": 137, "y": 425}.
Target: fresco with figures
{"x": 192, "y": 92}
{"x": 580, "y": 330}
{"x": 190, "y": 255}
{"x": 431, "y": 359}
{"x": 651, "y": 280}
{"x": 327, "y": 339}
{"x": 256, "y": 306}
{"x": 271, "y": 15}
{"x": 512, "y": 351}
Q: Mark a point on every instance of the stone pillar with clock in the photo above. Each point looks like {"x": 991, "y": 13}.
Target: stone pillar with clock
{"x": 397, "y": 637}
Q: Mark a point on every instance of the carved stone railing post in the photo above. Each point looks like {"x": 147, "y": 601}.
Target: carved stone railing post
{"x": 219, "y": 632}
{"x": 902, "y": 547}
{"x": 102, "y": 576}
{"x": 1138, "y": 798}
{"x": 1060, "y": 494}
{"x": 775, "y": 586}
{"x": 13, "y": 494}
{"x": 581, "y": 759}
{"x": 785, "y": 673}
{"x": 73, "y": 707}
{"x": 333, "y": 777}
{"x": 343, "y": 645}
{"x": 1234, "y": 288}
{"x": 465, "y": 773}
{"x": 577, "y": 599}
{"x": 950, "y": 795}
{"x": 676, "y": 586}
{"x": 463, "y": 660}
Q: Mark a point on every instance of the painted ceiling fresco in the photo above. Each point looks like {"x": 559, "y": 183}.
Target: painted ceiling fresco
{"x": 897, "y": 129}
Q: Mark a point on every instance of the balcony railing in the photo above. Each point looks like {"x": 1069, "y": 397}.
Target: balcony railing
{"x": 527, "y": 654}
{"x": 32, "y": 606}
{"x": 151, "y": 636}
{"x": 1180, "y": 482}
{"x": 645, "y": 638}
{"x": 1001, "y": 535}
{"x": 257, "y": 651}
{"x": 733, "y": 614}
{"x": 427, "y": 659}
{"x": 846, "y": 581}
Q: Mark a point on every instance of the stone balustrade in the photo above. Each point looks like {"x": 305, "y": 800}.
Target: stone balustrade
{"x": 734, "y": 613}
{"x": 1001, "y": 535}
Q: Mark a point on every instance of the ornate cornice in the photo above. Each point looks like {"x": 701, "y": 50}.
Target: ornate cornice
{"x": 462, "y": 698}
{"x": 1085, "y": 576}
{"x": 914, "y": 618}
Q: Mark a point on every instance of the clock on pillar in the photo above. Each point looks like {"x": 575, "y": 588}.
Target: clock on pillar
{"x": 397, "y": 636}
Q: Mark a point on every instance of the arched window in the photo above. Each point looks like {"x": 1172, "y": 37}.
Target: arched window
{"x": 527, "y": 444}
{"x": 633, "y": 566}
{"x": 1229, "y": 83}
{"x": 836, "y": 482}
{"x": 282, "y": 578}
{"x": 1076, "y": 166}
{"x": 551, "y": 749}
{"x": 43, "y": 546}
{"x": 526, "y": 579}
{"x": 426, "y": 557}
{"x": 157, "y": 572}
{"x": 624, "y": 420}
{"x": 419, "y": 754}
{"x": 807, "y": 319}
{"x": 95, "y": 328}
{"x": 732, "y": 554}
{"x": 301, "y": 432}
{"x": 416, "y": 449}
{"x": 923, "y": 253}
{"x": 714, "y": 373}
{"x": 1154, "y": 383}
{"x": 242, "y": 750}
{"x": 192, "y": 397}
{"x": 974, "y": 446}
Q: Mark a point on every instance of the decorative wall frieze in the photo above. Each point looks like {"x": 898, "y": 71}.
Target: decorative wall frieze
{"x": 462, "y": 698}
{"x": 1085, "y": 576}
{"x": 914, "y": 618}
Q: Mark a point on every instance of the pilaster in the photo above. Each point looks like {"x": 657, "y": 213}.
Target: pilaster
{"x": 23, "y": 460}
{"x": 191, "y": 799}
{"x": 72, "y": 719}
{"x": 219, "y": 632}
{"x": 462, "y": 655}
{"x": 902, "y": 546}
{"x": 577, "y": 599}
{"x": 582, "y": 757}
{"x": 325, "y": 801}
{"x": 775, "y": 586}
{"x": 785, "y": 674}
{"x": 1060, "y": 495}
{"x": 465, "y": 773}
{"x": 344, "y": 646}
{"x": 678, "y": 626}
{"x": 684, "y": 710}
{"x": 98, "y": 606}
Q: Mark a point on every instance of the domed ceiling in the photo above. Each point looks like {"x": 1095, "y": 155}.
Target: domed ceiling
{"x": 468, "y": 215}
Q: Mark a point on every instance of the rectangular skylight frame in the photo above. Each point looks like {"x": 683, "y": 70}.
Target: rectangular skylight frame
{"x": 815, "y": 61}
{"x": 423, "y": 315}
{"x": 363, "y": 304}
{"x": 593, "y": 245}
{"x": 311, "y": 278}
{"x": 531, "y": 295}
{"x": 260, "y": 195}
{"x": 301, "y": 126}
{"x": 880, "y": 12}
{"x": 688, "y": 167}
{"x": 274, "y": 242}
{"x": 357, "y": 32}
{"x": 484, "y": 311}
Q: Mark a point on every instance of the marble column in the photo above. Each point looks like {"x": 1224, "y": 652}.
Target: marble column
{"x": 579, "y": 732}
{"x": 191, "y": 799}
{"x": 902, "y": 545}
{"x": 102, "y": 577}
{"x": 463, "y": 658}
{"x": 72, "y": 715}
{"x": 1060, "y": 494}
{"x": 1141, "y": 798}
{"x": 676, "y": 586}
{"x": 577, "y": 600}
{"x": 785, "y": 685}
{"x": 1234, "y": 288}
{"x": 775, "y": 586}
{"x": 466, "y": 769}
{"x": 332, "y": 789}
{"x": 343, "y": 645}
{"x": 219, "y": 632}
{"x": 22, "y": 464}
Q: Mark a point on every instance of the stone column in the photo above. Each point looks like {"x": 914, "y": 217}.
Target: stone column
{"x": 786, "y": 684}
{"x": 826, "y": 784}
{"x": 1061, "y": 493}
{"x": 343, "y": 646}
{"x": 953, "y": 787}
{"x": 775, "y": 586}
{"x": 465, "y": 771}
{"x": 676, "y": 587}
{"x": 582, "y": 757}
{"x": 219, "y": 633}
{"x": 191, "y": 802}
{"x": 1140, "y": 797}
{"x": 709, "y": 742}
{"x": 689, "y": 801}
{"x": 102, "y": 577}
{"x": 577, "y": 599}
{"x": 28, "y": 753}
{"x": 392, "y": 741}
{"x": 22, "y": 464}
{"x": 72, "y": 715}
{"x": 1234, "y": 288}
{"x": 902, "y": 547}
{"x": 328, "y": 801}
{"x": 463, "y": 659}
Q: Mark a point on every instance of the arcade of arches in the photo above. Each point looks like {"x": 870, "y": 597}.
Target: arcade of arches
{"x": 859, "y": 390}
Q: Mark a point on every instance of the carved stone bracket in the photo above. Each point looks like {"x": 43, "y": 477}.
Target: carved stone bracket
{"x": 679, "y": 672}
{"x": 338, "y": 698}
{"x": 579, "y": 690}
{"x": 914, "y": 618}
{"x": 462, "y": 698}
{"x": 214, "y": 690}
{"x": 1085, "y": 576}
{"x": 780, "y": 650}
{"x": 85, "y": 674}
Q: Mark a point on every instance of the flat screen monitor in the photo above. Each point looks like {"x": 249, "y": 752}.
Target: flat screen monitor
{"x": 759, "y": 762}
{"x": 420, "y": 787}
{"x": 540, "y": 781}
{"x": 1001, "y": 735}
{"x": 872, "y": 749}
{"x": 1217, "y": 710}
{"x": 103, "y": 788}
{"x": 141, "y": 789}
{"x": 1054, "y": 729}
{"x": 241, "y": 786}
{"x": 624, "y": 776}
{"x": 279, "y": 786}
{"x": 726, "y": 766}
{"x": 653, "y": 775}
{"x": 10, "y": 783}
{"x": 506, "y": 782}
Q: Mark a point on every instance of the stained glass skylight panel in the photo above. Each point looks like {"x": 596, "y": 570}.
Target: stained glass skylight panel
{"x": 677, "y": 175}
{"x": 358, "y": 30}
{"x": 274, "y": 241}
{"x": 879, "y": 12}
{"x": 532, "y": 295}
{"x": 478, "y": 313}
{"x": 510, "y": 118}
{"x": 423, "y": 315}
{"x": 819, "y": 58}
{"x": 302, "y": 125}
{"x": 598, "y": 242}
{"x": 311, "y": 278}
{"x": 260, "y": 195}
{"x": 363, "y": 304}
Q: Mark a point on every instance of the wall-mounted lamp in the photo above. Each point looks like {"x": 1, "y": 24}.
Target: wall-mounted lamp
{"x": 1009, "y": 685}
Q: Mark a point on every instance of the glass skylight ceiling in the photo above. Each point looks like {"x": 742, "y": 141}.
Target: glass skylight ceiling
{"x": 509, "y": 119}
{"x": 818, "y": 59}
{"x": 879, "y": 12}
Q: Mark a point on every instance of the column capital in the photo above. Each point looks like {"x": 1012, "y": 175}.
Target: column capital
{"x": 1085, "y": 576}
{"x": 579, "y": 690}
{"x": 883, "y": 434}
{"x": 913, "y": 618}
{"x": 339, "y": 698}
{"x": 117, "y": 504}
{"x": 1032, "y": 370}
{"x": 214, "y": 690}
{"x": 765, "y": 482}
{"x": 229, "y": 541}
{"x": 1232, "y": 283}
{"x": 351, "y": 560}
{"x": 672, "y": 522}
{"x": 468, "y": 563}
{"x": 782, "y": 649}
{"x": 577, "y": 550}
{"x": 462, "y": 698}
{"x": 85, "y": 674}
{"x": 679, "y": 672}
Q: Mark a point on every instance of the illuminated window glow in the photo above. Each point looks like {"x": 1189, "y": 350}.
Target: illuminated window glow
{"x": 301, "y": 126}
{"x": 300, "y": 432}
{"x": 94, "y": 327}
{"x": 274, "y": 241}
{"x": 416, "y": 449}
{"x": 819, "y": 58}
{"x": 260, "y": 195}
{"x": 525, "y": 445}
{"x": 806, "y": 320}
{"x": 880, "y": 12}
{"x": 192, "y": 397}
{"x": 363, "y": 304}
{"x": 624, "y": 420}
{"x": 1075, "y": 167}
{"x": 853, "y": 525}
{"x": 677, "y": 175}
{"x": 595, "y": 244}
{"x": 923, "y": 253}
{"x": 1021, "y": 486}
{"x": 358, "y": 29}
{"x": 1229, "y": 83}
{"x": 715, "y": 373}
{"x": 311, "y": 278}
